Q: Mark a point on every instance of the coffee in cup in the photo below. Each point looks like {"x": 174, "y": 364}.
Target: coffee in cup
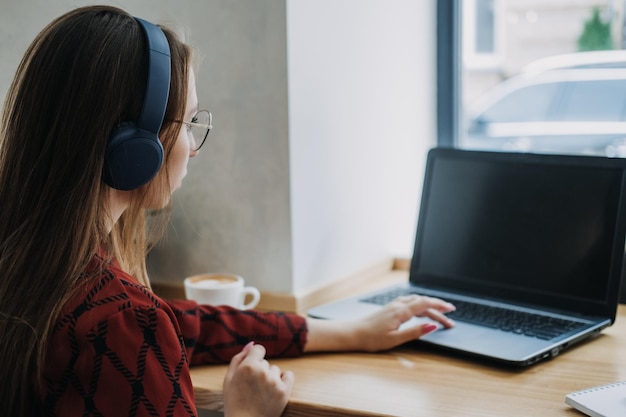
{"x": 221, "y": 289}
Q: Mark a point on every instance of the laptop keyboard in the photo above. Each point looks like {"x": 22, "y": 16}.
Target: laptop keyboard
{"x": 520, "y": 322}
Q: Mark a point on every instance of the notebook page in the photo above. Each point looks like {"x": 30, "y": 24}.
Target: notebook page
{"x": 601, "y": 401}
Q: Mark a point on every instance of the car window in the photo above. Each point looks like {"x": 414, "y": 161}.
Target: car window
{"x": 528, "y": 104}
{"x": 596, "y": 100}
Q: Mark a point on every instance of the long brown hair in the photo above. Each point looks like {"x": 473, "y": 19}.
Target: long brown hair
{"x": 81, "y": 76}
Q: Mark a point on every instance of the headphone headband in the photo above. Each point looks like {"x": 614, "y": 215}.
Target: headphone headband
{"x": 159, "y": 67}
{"x": 135, "y": 154}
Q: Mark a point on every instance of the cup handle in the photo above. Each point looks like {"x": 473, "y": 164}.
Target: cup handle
{"x": 254, "y": 293}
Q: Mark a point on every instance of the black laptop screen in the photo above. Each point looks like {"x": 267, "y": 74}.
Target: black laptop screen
{"x": 529, "y": 226}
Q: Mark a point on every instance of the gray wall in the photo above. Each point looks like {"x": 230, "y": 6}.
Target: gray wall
{"x": 233, "y": 212}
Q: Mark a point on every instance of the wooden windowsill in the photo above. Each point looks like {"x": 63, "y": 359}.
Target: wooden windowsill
{"x": 384, "y": 273}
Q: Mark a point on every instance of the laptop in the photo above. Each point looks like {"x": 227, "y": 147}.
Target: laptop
{"x": 531, "y": 237}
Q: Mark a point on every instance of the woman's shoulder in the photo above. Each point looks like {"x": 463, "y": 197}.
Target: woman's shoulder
{"x": 119, "y": 334}
{"x": 110, "y": 292}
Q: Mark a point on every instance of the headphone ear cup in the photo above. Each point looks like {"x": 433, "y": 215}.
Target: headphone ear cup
{"x": 134, "y": 153}
{"x": 133, "y": 157}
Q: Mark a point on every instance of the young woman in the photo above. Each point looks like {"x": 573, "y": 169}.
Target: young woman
{"x": 82, "y": 333}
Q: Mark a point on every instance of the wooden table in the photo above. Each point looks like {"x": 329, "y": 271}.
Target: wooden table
{"x": 414, "y": 381}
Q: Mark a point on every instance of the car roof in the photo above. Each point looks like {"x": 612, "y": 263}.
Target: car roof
{"x": 579, "y": 60}
{"x": 529, "y": 78}
{"x": 579, "y": 66}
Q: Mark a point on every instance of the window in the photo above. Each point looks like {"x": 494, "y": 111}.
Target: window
{"x": 601, "y": 100}
{"x": 527, "y": 104}
{"x": 532, "y": 76}
{"x": 481, "y": 30}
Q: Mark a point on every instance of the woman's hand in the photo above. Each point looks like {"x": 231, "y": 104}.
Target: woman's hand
{"x": 381, "y": 330}
{"x": 253, "y": 387}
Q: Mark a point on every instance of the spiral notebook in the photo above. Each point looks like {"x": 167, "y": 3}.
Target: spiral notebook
{"x": 601, "y": 401}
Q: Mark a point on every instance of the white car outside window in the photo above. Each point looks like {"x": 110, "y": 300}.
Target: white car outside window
{"x": 578, "y": 109}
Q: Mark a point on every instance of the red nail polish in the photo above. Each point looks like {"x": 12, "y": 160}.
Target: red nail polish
{"x": 429, "y": 327}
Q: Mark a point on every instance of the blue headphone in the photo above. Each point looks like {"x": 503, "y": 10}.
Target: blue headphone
{"x": 134, "y": 153}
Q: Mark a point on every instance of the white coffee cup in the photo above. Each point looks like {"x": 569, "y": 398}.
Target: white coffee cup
{"x": 221, "y": 289}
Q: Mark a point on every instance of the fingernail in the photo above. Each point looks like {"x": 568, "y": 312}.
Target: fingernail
{"x": 247, "y": 347}
{"x": 429, "y": 327}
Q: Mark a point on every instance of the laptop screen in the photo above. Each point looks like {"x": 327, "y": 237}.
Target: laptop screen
{"x": 538, "y": 229}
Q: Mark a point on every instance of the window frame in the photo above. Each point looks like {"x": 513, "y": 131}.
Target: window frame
{"x": 449, "y": 67}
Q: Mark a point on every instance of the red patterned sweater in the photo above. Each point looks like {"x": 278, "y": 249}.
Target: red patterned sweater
{"x": 119, "y": 350}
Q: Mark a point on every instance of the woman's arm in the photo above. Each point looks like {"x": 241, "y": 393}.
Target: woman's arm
{"x": 380, "y": 330}
{"x": 214, "y": 334}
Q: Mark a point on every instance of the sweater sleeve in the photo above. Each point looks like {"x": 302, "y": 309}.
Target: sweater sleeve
{"x": 215, "y": 334}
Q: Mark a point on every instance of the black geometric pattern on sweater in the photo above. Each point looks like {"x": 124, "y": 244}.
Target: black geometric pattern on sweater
{"x": 147, "y": 321}
{"x": 218, "y": 351}
{"x": 69, "y": 320}
{"x": 89, "y": 302}
{"x": 147, "y": 293}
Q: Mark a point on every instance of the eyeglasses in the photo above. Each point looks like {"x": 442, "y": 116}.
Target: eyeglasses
{"x": 199, "y": 127}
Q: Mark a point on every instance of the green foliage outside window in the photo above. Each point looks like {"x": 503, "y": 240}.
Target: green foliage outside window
{"x": 596, "y": 34}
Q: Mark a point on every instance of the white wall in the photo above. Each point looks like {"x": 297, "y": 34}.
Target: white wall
{"x": 361, "y": 117}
